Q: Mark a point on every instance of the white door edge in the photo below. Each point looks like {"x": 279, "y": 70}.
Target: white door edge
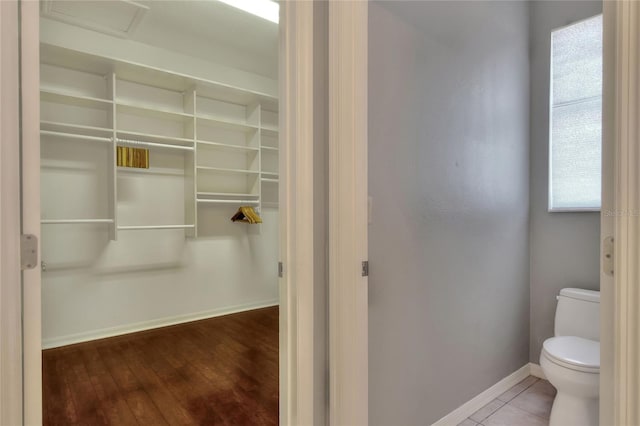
{"x": 606, "y": 221}
{"x": 32, "y": 284}
{"x": 296, "y": 214}
{"x": 625, "y": 15}
{"x": 348, "y": 293}
{"x": 11, "y": 389}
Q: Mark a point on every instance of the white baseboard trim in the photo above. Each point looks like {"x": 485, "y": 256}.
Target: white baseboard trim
{"x": 71, "y": 339}
{"x": 536, "y": 371}
{"x": 468, "y": 408}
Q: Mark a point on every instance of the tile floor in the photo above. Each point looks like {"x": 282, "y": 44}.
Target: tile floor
{"x": 526, "y": 404}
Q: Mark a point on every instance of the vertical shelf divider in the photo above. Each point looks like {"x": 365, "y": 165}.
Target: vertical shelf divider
{"x": 190, "y": 170}
{"x": 112, "y": 158}
{"x": 254, "y": 116}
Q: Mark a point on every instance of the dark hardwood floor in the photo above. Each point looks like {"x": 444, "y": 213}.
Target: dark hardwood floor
{"x": 220, "y": 371}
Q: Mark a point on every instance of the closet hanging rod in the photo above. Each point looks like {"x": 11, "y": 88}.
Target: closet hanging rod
{"x": 152, "y": 144}
{"x": 75, "y": 136}
{"x": 220, "y": 201}
{"x": 74, "y": 221}
{"x": 147, "y": 227}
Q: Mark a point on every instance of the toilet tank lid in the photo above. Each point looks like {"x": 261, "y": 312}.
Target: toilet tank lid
{"x": 581, "y": 294}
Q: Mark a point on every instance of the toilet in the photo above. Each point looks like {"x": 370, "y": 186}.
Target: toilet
{"x": 571, "y": 359}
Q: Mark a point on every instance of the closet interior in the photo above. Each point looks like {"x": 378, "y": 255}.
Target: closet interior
{"x": 159, "y": 120}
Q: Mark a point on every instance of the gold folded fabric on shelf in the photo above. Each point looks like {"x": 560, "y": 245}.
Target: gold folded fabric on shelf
{"x": 132, "y": 157}
{"x": 246, "y": 214}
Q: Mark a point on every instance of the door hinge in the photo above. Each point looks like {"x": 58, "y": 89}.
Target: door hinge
{"x": 280, "y": 270}
{"x": 607, "y": 253}
{"x": 365, "y": 268}
{"x": 28, "y": 251}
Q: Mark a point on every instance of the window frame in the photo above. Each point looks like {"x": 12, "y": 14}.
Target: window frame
{"x": 550, "y": 208}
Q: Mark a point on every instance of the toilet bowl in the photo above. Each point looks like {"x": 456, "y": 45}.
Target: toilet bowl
{"x": 571, "y": 359}
{"x": 572, "y": 366}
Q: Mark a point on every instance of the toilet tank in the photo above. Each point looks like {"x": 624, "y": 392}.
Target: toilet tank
{"x": 578, "y": 313}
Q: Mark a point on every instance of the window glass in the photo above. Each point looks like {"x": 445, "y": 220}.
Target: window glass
{"x": 576, "y": 116}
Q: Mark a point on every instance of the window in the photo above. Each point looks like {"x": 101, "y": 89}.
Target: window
{"x": 576, "y": 117}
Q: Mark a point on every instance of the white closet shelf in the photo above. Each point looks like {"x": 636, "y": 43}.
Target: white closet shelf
{"x": 226, "y": 201}
{"x": 269, "y": 180}
{"x": 270, "y": 174}
{"x": 222, "y": 170}
{"x": 221, "y": 145}
{"x": 152, "y": 171}
{"x": 144, "y": 144}
{"x": 225, "y": 124}
{"x": 235, "y": 95}
{"x": 64, "y": 135}
{"x": 225, "y": 194}
{"x": 48, "y": 95}
{"x": 73, "y": 221}
{"x": 148, "y": 227}
{"x": 164, "y": 78}
{"x": 56, "y": 126}
{"x": 150, "y": 137}
{"x": 269, "y": 132}
{"x": 146, "y": 111}
{"x": 269, "y": 148}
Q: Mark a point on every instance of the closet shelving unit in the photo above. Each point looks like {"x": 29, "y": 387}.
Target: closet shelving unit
{"x": 221, "y": 141}
{"x": 269, "y": 174}
{"x": 75, "y": 117}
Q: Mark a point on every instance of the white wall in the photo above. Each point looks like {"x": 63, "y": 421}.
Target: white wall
{"x": 214, "y": 30}
{"x": 448, "y": 173}
{"x": 565, "y": 247}
{"x": 95, "y": 287}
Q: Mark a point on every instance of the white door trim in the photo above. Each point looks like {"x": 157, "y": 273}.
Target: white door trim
{"x": 626, "y": 348}
{"x": 296, "y": 213}
{"x": 348, "y": 304}
{"x": 607, "y": 221}
{"x": 31, "y": 279}
{"x": 10, "y": 279}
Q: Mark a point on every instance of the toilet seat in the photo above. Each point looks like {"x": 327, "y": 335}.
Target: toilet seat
{"x": 575, "y": 353}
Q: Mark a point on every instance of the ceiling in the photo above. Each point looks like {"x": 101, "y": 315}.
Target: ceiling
{"x": 453, "y": 22}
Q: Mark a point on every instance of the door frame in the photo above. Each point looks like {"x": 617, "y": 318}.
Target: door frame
{"x": 296, "y": 195}
{"x": 622, "y": 390}
{"x": 31, "y": 279}
{"x": 20, "y": 329}
{"x": 620, "y": 320}
{"x": 607, "y": 221}
{"x": 348, "y": 224}
{"x": 10, "y": 274}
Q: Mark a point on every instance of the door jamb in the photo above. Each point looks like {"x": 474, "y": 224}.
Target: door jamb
{"x": 607, "y": 221}
{"x": 348, "y": 245}
{"x": 296, "y": 194}
{"x": 626, "y": 204}
{"x": 11, "y": 367}
{"x": 31, "y": 279}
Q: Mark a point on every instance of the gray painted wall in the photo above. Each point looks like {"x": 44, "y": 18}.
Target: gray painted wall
{"x": 564, "y": 246}
{"x": 448, "y": 173}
